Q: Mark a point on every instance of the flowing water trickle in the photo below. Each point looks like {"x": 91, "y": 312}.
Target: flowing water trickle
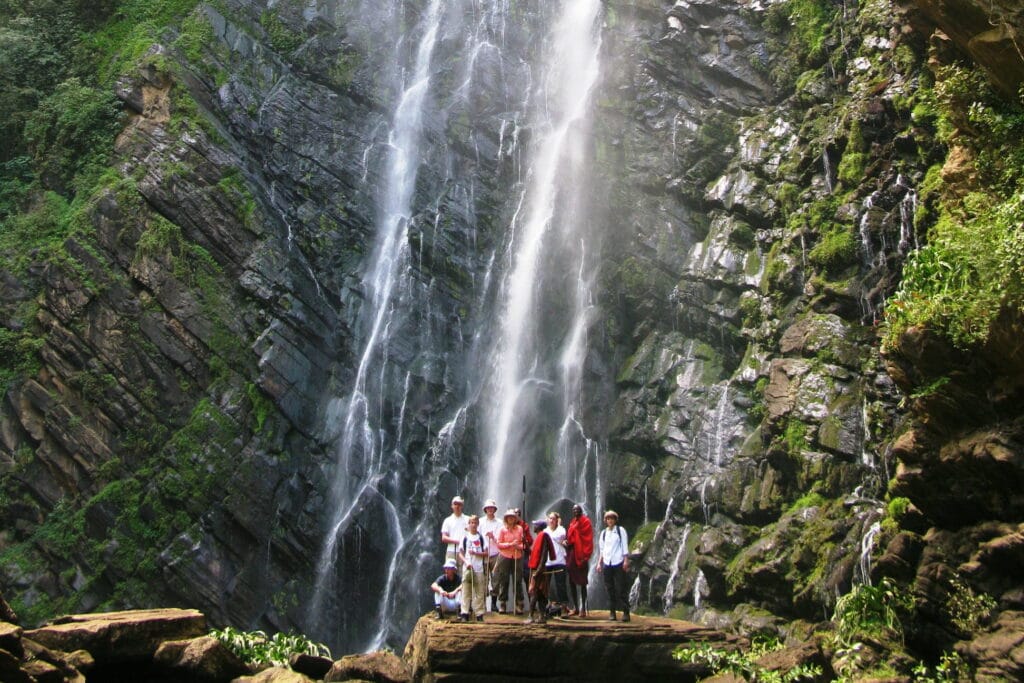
{"x": 670, "y": 588}
{"x": 548, "y": 220}
{"x": 867, "y": 543}
{"x": 360, "y": 458}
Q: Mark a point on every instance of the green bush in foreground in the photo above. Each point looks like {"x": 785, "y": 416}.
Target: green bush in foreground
{"x": 256, "y": 648}
{"x": 744, "y": 664}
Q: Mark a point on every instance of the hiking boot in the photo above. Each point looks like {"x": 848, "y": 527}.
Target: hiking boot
{"x": 479, "y": 617}
{"x": 625, "y": 617}
{"x": 612, "y": 617}
{"x": 463, "y": 617}
{"x": 440, "y": 613}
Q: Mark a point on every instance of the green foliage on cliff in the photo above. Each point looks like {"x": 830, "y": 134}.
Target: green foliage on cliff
{"x": 972, "y": 268}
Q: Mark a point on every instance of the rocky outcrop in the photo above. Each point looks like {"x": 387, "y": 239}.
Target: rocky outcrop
{"x": 992, "y": 33}
{"x": 564, "y": 650}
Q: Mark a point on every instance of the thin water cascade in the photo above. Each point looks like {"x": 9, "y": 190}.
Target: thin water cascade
{"x": 826, "y": 164}
{"x": 700, "y": 588}
{"x": 670, "y": 587}
{"x": 908, "y": 210}
{"x": 548, "y": 203}
{"x": 360, "y": 460}
{"x": 867, "y": 543}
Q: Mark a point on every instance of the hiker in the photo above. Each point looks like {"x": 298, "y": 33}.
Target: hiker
{"x": 510, "y": 549}
{"x": 472, "y": 555}
{"x": 490, "y": 525}
{"x": 453, "y": 528}
{"x": 524, "y": 574}
{"x": 556, "y": 565}
{"x": 543, "y": 550}
{"x": 579, "y": 546}
{"x": 614, "y": 564}
{"x": 446, "y": 590}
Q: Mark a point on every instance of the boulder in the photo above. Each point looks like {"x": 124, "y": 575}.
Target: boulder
{"x": 10, "y": 638}
{"x": 200, "y": 659}
{"x": 310, "y": 665}
{"x": 503, "y": 648}
{"x": 120, "y": 637}
{"x": 277, "y": 674}
{"x": 10, "y": 669}
{"x": 380, "y": 667}
{"x": 998, "y": 655}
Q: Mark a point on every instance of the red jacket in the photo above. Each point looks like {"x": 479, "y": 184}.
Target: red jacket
{"x": 537, "y": 555}
{"x": 580, "y": 536}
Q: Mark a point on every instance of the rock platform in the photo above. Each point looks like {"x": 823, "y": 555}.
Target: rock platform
{"x": 594, "y": 649}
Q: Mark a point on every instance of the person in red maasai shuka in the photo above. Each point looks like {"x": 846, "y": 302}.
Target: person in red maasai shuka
{"x": 542, "y": 551}
{"x": 579, "y": 540}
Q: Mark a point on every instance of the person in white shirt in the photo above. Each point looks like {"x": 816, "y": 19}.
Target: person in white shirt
{"x": 614, "y": 564}
{"x": 490, "y": 525}
{"x": 453, "y": 529}
{"x": 472, "y": 554}
{"x": 556, "y": 566}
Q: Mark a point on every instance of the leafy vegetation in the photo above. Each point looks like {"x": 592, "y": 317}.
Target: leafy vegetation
{"x": 257, "y": 648}
{"x": 972, "y": 269}
{"x": 866, "y": 610}
{"x": 744, "y": 663}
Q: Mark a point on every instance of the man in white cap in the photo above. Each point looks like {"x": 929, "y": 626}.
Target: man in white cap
{"x": 447, "y": 588}
{"x": 614, "y": 565}
{"x": 453, "y": 529}
{"x": 490, "y": 525}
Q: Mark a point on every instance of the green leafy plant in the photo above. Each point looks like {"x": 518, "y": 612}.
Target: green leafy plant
{"x": 967, "y": 609}
{"x": 951, "y": 667}
{"x": 257, "y": 648}
{"x": 866, "y": 610}
{"x": 744, "y": 663}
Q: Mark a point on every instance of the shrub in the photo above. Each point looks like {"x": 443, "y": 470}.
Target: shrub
{"x": 256, "y": 648}
{"x": 866, "y": 610}
{"x": 72, "y": 130}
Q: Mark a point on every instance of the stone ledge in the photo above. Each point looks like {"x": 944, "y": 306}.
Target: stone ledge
{"x": 504, "y": 648}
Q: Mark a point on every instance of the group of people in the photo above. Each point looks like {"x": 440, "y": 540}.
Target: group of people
{"x": 518, "y": 570}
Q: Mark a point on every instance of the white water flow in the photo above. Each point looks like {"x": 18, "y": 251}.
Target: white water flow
{"x": 670, "y": 588}
{"x": 360, "y": 462}
{"x": 867, "y": 543}
{"x": 554, "y": 172}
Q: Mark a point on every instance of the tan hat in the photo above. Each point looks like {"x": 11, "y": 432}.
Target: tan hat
{"x": 611, "y": 513}
{"x": 457, "y": 499}
{"x": 511, "y": 512}
{"x": 491, "y": 503}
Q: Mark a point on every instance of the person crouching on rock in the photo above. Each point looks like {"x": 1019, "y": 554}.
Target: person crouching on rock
{"x": 614, "y": 565}
{"x": 446, "y": 589}
{"x": 472, "y": 555}
{"x": 542, "y": 551}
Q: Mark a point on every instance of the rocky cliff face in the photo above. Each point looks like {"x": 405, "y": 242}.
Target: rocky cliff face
{"x": 764, "y": 172}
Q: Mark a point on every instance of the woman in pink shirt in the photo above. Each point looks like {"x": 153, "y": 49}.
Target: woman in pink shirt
{"x": 510, "y": 549}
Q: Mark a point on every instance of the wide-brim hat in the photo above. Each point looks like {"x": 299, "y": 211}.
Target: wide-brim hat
{"x": 450, "y": 564}
{"x": 611, "y": 513}
{"x": 490, "y": 503}
{"x": 511, "y": 512}
{"x": 458, "y": 499}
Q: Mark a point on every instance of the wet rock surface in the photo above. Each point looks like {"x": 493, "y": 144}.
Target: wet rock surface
{"x": 562, "y": 650}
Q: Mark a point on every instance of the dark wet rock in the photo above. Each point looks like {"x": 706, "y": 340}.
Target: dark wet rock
{"x": 310, "y": 665}
{"x": 380, "y": 667}
{"x": 201, "y": 659}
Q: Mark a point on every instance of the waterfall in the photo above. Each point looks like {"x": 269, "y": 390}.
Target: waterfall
{"x": 700, "y": 588}
{"x": 908, "y": 208}
{"x": 550, "y": 201}
{"x": 359, "y": 456}
{"x": 867, "y": 543}
{"x": 670, "y": 587}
